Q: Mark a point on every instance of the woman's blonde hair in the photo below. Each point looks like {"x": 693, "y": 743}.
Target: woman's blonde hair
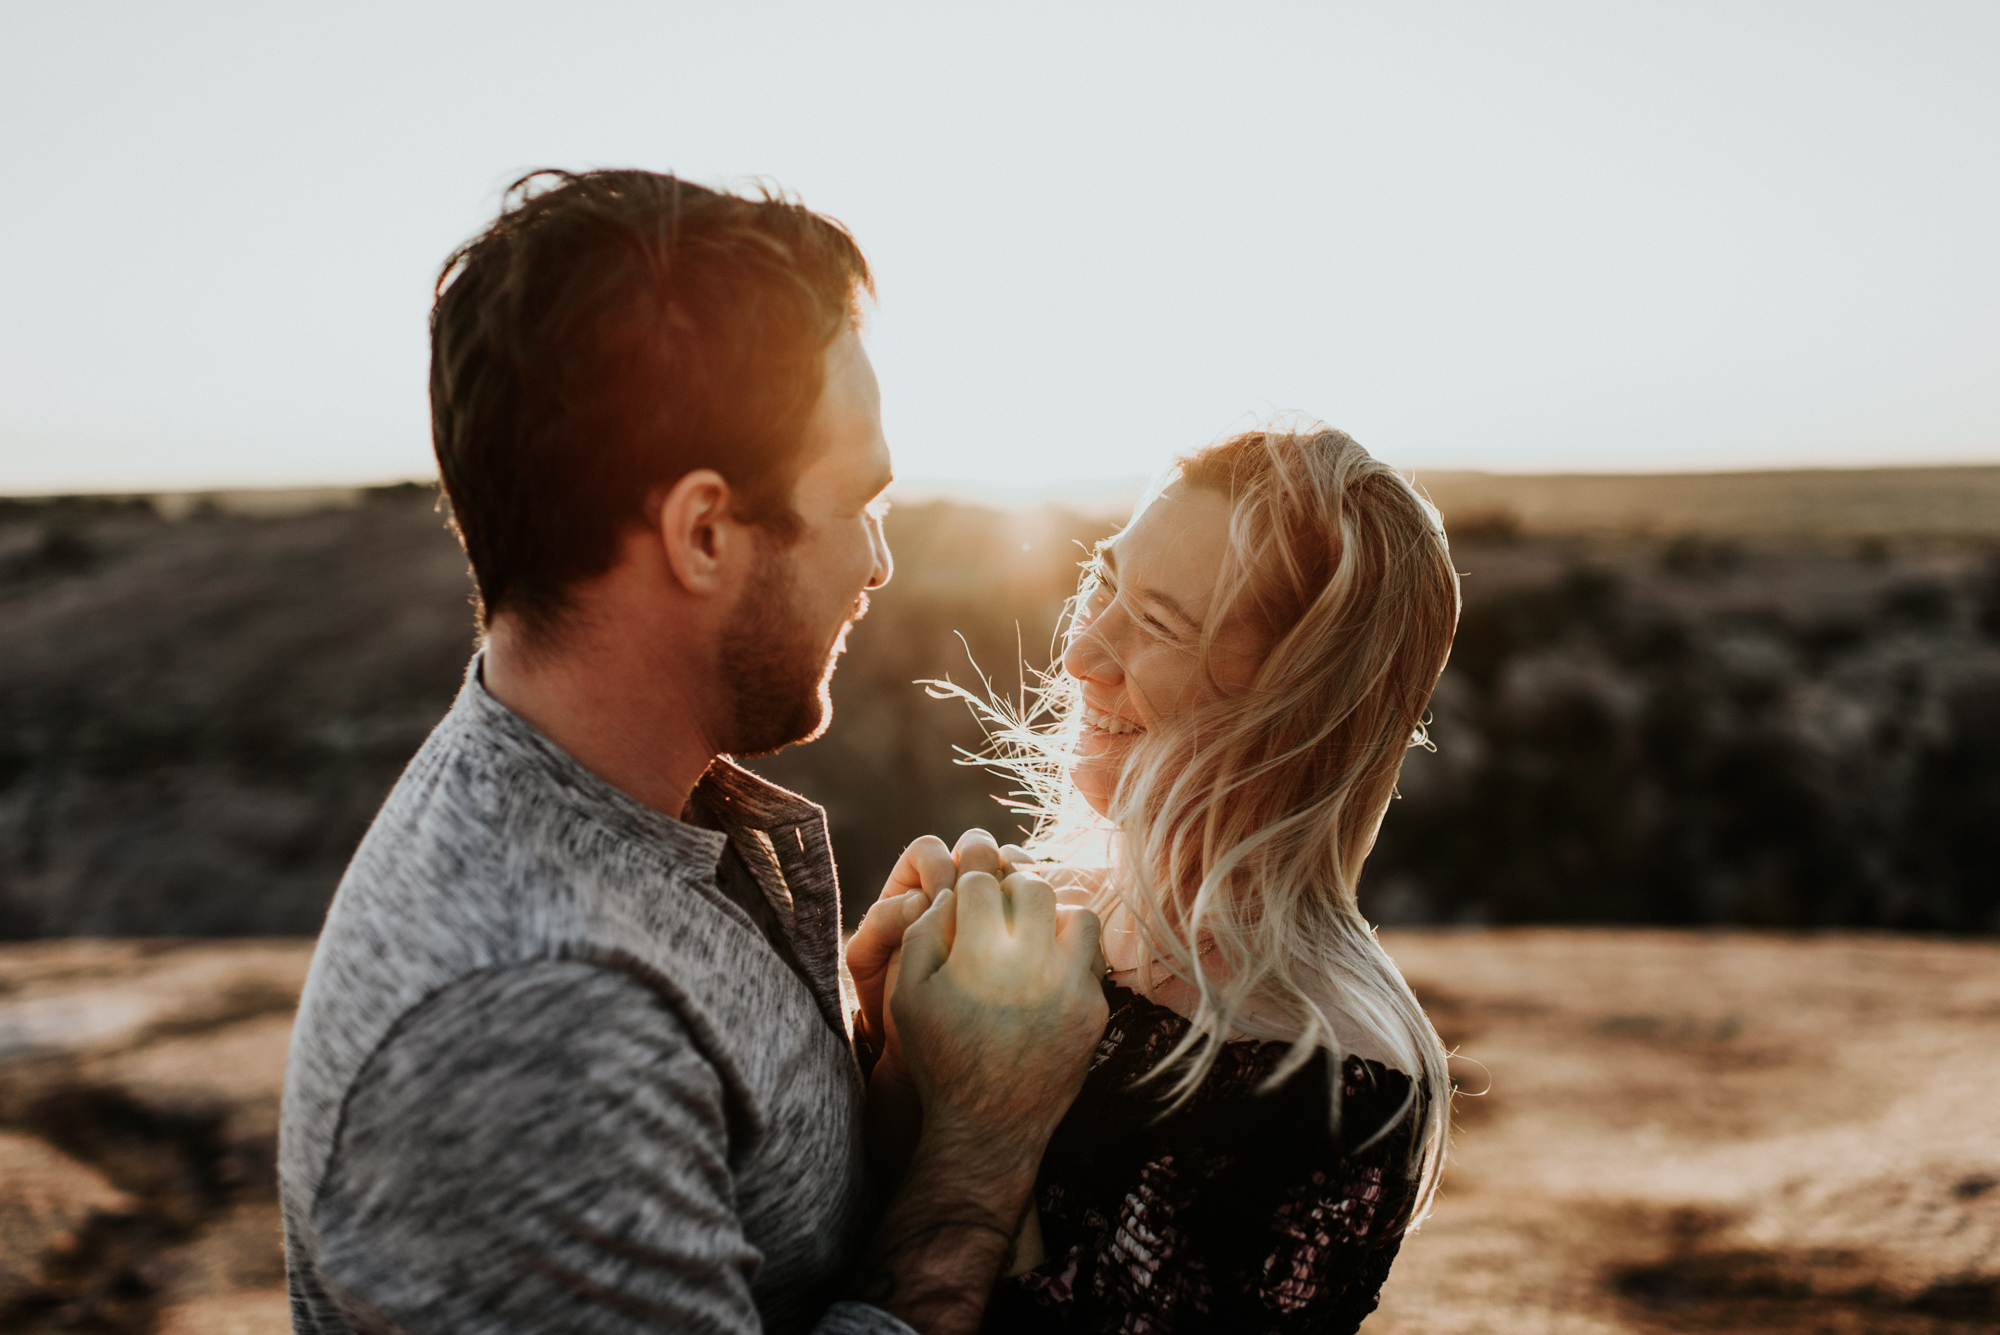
{"x": 1245, "y": 821}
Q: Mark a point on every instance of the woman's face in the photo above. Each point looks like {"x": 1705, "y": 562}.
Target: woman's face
{"x": 1135, "y": 645}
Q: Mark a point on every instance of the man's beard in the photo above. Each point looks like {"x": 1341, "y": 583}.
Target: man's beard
{"x": 774, "y": 666}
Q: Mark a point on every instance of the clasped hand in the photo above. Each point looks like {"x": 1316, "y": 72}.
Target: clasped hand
{"x": 980, "y": 982}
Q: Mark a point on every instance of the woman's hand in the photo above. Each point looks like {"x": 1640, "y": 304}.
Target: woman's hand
{"x": 925, "y": 868}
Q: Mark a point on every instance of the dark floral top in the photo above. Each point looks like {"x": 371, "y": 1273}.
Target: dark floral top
{"x": 1238, "y": 1211}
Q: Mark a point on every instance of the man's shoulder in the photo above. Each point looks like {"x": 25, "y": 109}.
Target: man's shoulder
{"x": 545, "y": 1146}
{"x": 486, "y": 785}
{"x": 497, "y": 854}
{"x": 488, "y": 853}
{"x": 525, "y": 1047}
{"x": 496, "y": 845}
{"x": 548, "y": 1090}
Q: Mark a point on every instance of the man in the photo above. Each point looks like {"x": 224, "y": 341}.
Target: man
{"x": 574, "y": 1055}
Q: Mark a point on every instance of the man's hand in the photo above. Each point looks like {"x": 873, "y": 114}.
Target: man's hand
{"x": 925, "y": 868}
{"x": 874, "y": 953}
{"x": 999, "y": 1007}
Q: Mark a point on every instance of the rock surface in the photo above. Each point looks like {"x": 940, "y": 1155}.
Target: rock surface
{"x": 1680, "y": 1132}
{"x": 1710, "y": 1132}
{"x": 139, "y": 1087}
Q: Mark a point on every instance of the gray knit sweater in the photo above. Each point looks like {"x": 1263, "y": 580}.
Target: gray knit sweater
{"x": 548, "y": 1077}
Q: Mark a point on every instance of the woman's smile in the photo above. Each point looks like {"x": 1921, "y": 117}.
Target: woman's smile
{"x": 1109, "y": 724}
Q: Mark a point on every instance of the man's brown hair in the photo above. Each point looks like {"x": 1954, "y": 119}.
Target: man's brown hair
{"x": 609, "y": 333}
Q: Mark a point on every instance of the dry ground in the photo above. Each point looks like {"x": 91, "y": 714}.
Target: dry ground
{"x": 1711, "y": 1132}
{"x": 139, "y": 1089}
{"x": 1684, "y": 1132}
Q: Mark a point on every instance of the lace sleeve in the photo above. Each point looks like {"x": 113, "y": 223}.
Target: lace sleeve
{"x": 1240, "y": 1211}
{"x": 1331, "y": 1249}
{"x": 1181, "y": 1258}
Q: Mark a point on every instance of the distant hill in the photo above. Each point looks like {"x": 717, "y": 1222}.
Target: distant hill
{"x": 1945, "y": 501}
{"x": 1941, "y": 502}
{"x": 204, "y": 698}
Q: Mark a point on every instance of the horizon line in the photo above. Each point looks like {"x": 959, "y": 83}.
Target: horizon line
{"x": 928, "y": 487}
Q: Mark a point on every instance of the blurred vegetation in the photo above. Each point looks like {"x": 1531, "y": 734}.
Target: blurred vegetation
{"x": 198, "y": 718}
{"x": 1800, "y": 738}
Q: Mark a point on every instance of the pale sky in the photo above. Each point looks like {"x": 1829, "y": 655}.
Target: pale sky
{"x": 1517, "y": 237}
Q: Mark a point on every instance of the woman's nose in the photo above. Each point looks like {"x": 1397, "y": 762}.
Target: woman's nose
{"x": 1087, "y": 658}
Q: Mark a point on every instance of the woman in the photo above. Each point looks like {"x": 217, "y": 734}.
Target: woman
{"x": 1245, "y": 667}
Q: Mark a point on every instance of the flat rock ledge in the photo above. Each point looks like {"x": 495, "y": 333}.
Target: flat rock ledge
{"x": 1656, "y": 1132}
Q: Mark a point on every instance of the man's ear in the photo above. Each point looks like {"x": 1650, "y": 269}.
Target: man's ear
{"x": 702, "y": 540}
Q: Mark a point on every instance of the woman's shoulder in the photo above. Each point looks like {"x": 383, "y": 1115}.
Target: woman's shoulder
{"x": 1244, "y": 1206}
{"x": 1140, "y": 1034}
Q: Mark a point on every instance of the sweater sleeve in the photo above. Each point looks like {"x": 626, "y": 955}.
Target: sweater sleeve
{"x": 543, "y": 1148}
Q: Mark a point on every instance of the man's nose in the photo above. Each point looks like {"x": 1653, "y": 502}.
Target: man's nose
{"x": 885, "y": 564}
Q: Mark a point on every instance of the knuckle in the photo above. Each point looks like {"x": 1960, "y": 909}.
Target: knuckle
{"x": 979, "y": 844}
{"x": 1083, "y": 925}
